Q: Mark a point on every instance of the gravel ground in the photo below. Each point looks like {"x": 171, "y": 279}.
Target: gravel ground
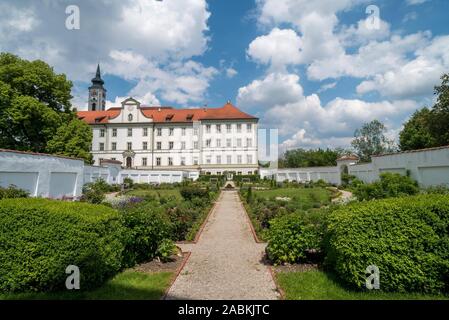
{"x": 226, "y": 263}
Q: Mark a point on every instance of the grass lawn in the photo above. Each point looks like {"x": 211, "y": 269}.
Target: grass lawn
{"x": 156, "y": 193}
{"x": 302, "y": 194}
{"x": 318, "y": 285}
{"x": 128, "y": 285}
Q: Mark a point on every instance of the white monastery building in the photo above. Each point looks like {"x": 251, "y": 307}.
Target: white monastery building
{"x": 208, "y": 140}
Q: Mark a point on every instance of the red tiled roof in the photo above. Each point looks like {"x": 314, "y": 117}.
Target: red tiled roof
{"x": 93, "y": 117}
{"x": 170, "y": 115}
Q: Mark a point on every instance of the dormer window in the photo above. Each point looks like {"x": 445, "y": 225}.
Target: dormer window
{"x": 130, "y": 117}
{"x": 189, "y": 117}
{"x": 169, "y": 117}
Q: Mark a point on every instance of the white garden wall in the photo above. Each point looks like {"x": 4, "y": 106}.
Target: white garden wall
{"x": 56, "y": 177}
{"x": 429, "y": 167}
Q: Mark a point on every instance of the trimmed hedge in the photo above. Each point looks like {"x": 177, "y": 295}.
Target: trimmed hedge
{"x": 406, "y": 238}
{"x": 39, "y": 238}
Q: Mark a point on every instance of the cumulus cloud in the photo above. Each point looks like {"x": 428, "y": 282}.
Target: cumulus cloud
{"x": 157, "y": 32}
{"x": 303, "y": 120}
{"x": 278, "y": 49}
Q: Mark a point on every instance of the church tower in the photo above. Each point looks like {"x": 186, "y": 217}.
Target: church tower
{"x": 97, "y": 93}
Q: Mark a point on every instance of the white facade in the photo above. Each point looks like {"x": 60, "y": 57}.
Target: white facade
{"x": 206, "y": 145}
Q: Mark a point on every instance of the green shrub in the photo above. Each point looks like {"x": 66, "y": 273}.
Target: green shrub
{"x": 147, "y": 226}
{"x": 12, "y": 192}
{"x": 166, "y": 249}
{"x": 390, "y": 185}
{"x": 39, "y": 238}
{"x": 190, "y": 192}
{"x": 291, "y": 237}
{"x": 406, "y": 238}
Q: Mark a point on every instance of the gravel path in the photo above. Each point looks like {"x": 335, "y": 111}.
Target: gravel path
{"x": 226, "y": 262}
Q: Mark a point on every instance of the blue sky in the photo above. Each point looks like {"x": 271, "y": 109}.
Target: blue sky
{"x": 315, "y": 70}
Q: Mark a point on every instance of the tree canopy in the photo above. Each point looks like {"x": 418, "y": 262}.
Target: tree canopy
{"x": 35, "y": 110}
{"x": 371, "y": 140}
{"x": 310, "y": 158}
{"x": 429, "y": 128}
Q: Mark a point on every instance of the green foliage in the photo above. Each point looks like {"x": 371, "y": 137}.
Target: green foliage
{"x": 166, "y": 249}
{"x": 12, "y": 192}
{"x": 147, "y": 226}
{"x": 291, "y": 237}
{"x": 190, "y": 192}
{"x": 39, "y": 238}
{"x": 128, "y": 182}
{"x": 390, "y": 185}
{"x": 249, "y": 195}
{"x": 35, "y": 110}
{"x": 310, "y": 158}
{"x": 371, "y": 140}
{"x": 406, "y": 238}
{"x": 429, "y": 128}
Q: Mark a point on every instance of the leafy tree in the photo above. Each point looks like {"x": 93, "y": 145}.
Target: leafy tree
{"x": 310, "y": 158}
{"x": 429, "y": 128}
{"x": 35, "y": 110}
{"x": 416, "y": 133}
{"x": 371, "y": 140}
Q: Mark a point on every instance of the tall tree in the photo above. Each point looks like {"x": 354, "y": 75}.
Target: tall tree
{"x": 35, "y": 109}
{"x": 429, "y": 127}
{"x": 416, "y": 133}
{"x": 371, "y": 140}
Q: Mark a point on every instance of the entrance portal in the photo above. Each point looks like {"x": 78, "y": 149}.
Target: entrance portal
{"x": 129, "y": 162}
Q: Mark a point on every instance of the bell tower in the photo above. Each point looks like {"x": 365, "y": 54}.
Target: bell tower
{"x": 97, "y": 93}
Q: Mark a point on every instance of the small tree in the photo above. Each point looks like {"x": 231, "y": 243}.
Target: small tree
{"x": 249, "y": 195}
{"x": 371, "y": 140}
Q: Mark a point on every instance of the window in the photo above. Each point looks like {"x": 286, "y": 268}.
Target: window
{"x": 114, "y": 132}
{"x": 130, "y": 132}
{"x": 158, "y": 161}
{"x": 130, "y": 117}
{"x": 113, "y": 159}
{"x": 229, "y": 159}
{"x": 170, "y": 161}
{"x": 218, "y": 128}
{"x": 239, "y": 142}
{"x": 249, "y": 142}
{"x": 159, "y": 132}
{"x": 183, "y": 145}
{"x": 208, "y": 128}
{"x": 158, "y": 145}
{"x": 102, "y": 133}
{"x": 101, "y": 146}
{"x": 228, "y": 143}
{"x": 183, "y": 161}
{"x": 228, "y": 128}
{"x": 145, "y": 145}
{"x": 129, "y": 145}
{"x": 218, "y": 142}
{"x": 208, "y": 160}
{"x": 208, "y": 143}
{"x": 145, "y": 132}
{"x": 239, "y": 159}
{"x": 195, "y": 161}
{"x": 171, "y": 131}
{"x": 195, "y": 131}
{"x": 249, "y": 159}
{"x": 239, "y": 127}
{"x": 183, "y": 131}
{"x": 249, "y": 127}
{"x": 144, "y": 162}
{"x": 218, "y": 159}
{"x": 195, "y": 144}
{"x": 114, "y": 146}
{"x": 170, "y": 145}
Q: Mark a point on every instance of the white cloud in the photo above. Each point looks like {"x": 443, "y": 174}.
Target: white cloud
{"x": 305, "y": 121}
{"x": 278, "y": 49}
{"x": 113, "y": 33}
{"x": 231, "y": 72}
{"x": 415, "y": 2}
{"x": 274, "y": 89}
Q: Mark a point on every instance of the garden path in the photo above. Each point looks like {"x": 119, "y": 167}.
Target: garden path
{"x": 226, "y": 262}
